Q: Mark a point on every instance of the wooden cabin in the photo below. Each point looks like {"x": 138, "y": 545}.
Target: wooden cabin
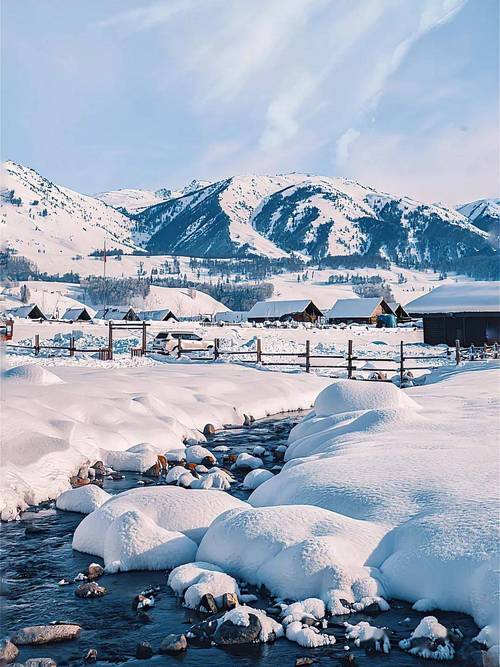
{"x": 30, "y": 312}
{"x": 115, "y": 313}
{"x": 78, "y": 314}
{"x": 468, "y": 312}
{"x": 162, "y": 315}
{"x": 358, "y": 311}
{"x": 302, "y": 310}
{"x": 401, "y": 314}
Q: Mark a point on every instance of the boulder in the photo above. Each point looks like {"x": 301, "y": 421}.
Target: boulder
{"x": 173, "y": 644}
{"x": 94, "y": 571}
{"x": 143, "y": 651}
{"x": 76, "y": 482}
{"x": 301, "y": 662}
{"x": 209, "y": 430}
{"x": 90, "y": 656}
{"x": 40, "y": 662}
{"x": 45, "y": 634}
{"x": 100, "y": 469}
{"x": 90, "y": 590}
{"x": 227, "y": 633}
{"x": 154, "y": 471}
{"x": 229, "y": 601}
{"x": 207, "y": 603}
{"x": 8, "y": 652}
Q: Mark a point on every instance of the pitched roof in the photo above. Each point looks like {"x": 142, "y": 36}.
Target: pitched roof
{"x": 473, "y": 297}
{"x": 24, "y": 311}
{"x": 112, "y": 313}
{"x": 74, "y": 313}
{"x": 231, "y": 316}
{"x": 354, "y": 307}
{"x": 157, "y": 315}
{"x": 278, "y": 308}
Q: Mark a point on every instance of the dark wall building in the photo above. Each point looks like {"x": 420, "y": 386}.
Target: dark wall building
{"x": 468, "y": 312}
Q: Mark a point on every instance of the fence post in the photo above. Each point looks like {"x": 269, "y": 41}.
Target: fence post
{"x": 179, "y": 348}
{"x": 259, "y": 351}
{"x": 457, "y": 351}
{"x": 110, "y": 340}
{"x": 308, "y": 356}
{"x": 72, "y": 346}
{"x": 495, "y": 350}
{"x": 349, "y": 359}
{"x": 37, "y": 343}
{"x": 401, "y": 363}
{"x": 216, "y": 349}
{"x": 143, "y": 338}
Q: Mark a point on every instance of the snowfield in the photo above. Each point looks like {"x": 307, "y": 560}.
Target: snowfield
{"x": 62, "y": 413}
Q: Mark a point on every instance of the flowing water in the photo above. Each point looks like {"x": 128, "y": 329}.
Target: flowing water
{"x": 36, "y": 553}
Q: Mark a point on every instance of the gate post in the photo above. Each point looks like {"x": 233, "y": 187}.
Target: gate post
{"x": 259, "y": 351}
{"x": 401, "y": 363}
{"x": 143, "y": 337}
{"x": 72, "y": 346}
{"x": 349, "y": 359}
{"x": 37, "y": 343}
{"x": 179, "y": 348}
{"x": 216, "y": 349}
{"x": 457, "y": 351}
{"x": 110, "y": 340}
{"x": 308, "y": 356}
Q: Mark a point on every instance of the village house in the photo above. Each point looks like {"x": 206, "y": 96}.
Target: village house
{"x": 302, "y": 310}
{"x": 231, "y": 316}
{"x": 468, "y": 312}
{"x": 400, "y": 311}
{"x": 78, "y": 314}
{"x": 116, "y": 313}
{"x": 358, "y": 311}
{"x": 162, "y": 315}
{"x": 30, "y": 312}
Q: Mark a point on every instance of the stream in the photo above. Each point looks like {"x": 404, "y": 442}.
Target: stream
{"x": 36, "y": 553}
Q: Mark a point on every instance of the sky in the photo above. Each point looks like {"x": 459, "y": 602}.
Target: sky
{"x": 401, "y": 95}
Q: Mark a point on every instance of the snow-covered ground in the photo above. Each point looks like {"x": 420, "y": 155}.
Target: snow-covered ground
{"x": 61, "y": 413}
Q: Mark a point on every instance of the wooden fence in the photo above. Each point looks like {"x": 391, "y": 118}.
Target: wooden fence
{"x": 305, "y": 359}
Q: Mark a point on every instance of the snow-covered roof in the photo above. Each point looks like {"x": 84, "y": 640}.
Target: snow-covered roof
{"x": 24, "y": 311}
{"x": 156, "y": 315}
{"x": 473, "y": 297}
{"x": 231, "y": 316}
{"x": 278, "y": 308}
{"x": 354, "y": 307}
{"x": 74, "y": 313}
{"x": 113, "y": 313}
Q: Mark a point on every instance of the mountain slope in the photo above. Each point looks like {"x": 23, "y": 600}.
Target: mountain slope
{"x": 485, "y": 214}
{"x": 44, "y": 222}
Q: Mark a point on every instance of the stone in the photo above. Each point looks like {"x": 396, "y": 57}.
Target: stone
{"x": 90, "y": 656}
{"x": 76, "y": 482}
{"x": 143, "y": 651}
{"x": 40, "y": 662}
{"x": 247, "y": 420}
{"x": 162, "y": 460}
{"x": 45, "y": 634}
{"x": 116, "y": 476}
{"x": 227, "y": 633}
{"x": 142, "y": 602}
{"x": 94, "y": 571}
{"x": 90, "y": 590}
{"x": 348, "y": 660}
{"x": 207, "y": 603}
{"x": 154, "y": 471}
{"x": 8, "y": 652}
{"x": 100, "y": 469}
{"x": 301, "y": 662}
{"x": 208, "y": 462}
{"x": 173, "y": 644}
{"x": 209, "y": 430}
{"x": 229, "y": 601}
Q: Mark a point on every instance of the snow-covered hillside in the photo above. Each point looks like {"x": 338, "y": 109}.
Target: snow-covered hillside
{"x": 485, "y": 214}
{"x": 49, "y": 224}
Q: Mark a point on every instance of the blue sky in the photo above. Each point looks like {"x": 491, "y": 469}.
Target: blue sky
{"x": 398, "y": 94}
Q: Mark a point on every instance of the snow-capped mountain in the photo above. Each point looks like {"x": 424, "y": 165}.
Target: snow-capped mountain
{"x": 41, "y": 218}
{"x": 132, "y": 200}
{"x": 485, "y": 214}
{"x": 318, "y": 216}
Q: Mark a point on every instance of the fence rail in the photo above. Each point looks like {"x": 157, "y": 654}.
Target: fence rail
{"x": 304, "y": 359}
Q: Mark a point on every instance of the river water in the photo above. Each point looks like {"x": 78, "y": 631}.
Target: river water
{"x": 36, "y": 553}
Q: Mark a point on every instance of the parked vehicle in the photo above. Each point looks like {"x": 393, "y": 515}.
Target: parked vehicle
{"x": 167, "y": 342}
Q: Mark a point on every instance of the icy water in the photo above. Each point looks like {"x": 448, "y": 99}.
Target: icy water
{"x": 36, "y": 553}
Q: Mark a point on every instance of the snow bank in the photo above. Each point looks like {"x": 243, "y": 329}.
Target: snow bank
{"x": 194, "y": 580}
{"x": 256, "y": 477}
{"x": 307, "y": 636}
{"x": 144, "y": 528}
{"x": 437, "y": 646}
{"x": 368, "y": 635}
{"x": 85, "y": 499}
{"x": 90, "y": 410}
{"x": 270, "y": 629}
{"x": 418, "y": 470}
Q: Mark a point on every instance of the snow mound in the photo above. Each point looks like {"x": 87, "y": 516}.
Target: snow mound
{"x": 85, "y": 499}
{"x": 298, "y": 611}
{"x": 197, "y": 453}
{"x": 32, "y": 374}
{"x": 256, "y": 477}
{"x": 429, "y": 640}
{"x": 349, "y": 396}
{"x": 296, "y": 551}
{"x": 369, "y": 636}
{"x": 307, "y": 636}
{"x": 138, "y": 458}
{"x": 135, "y": 542}
{"x": 245, "y": 460}
{"x": 271, "y": 629}
{"x": 194, "y": 580}
{"x": 170, "y": 508}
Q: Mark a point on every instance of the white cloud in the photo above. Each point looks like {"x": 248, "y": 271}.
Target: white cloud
{"x": 343, "y": 144}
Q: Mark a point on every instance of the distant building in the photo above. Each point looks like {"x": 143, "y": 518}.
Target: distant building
{"x": 162, "y": 315}
{"x": 78, "y": 314}
{"x": 302, "y": 310}
{"x": 31, "y": 312}
{"x": 358, "y": 311}
{"x": 468, "y": 312}
{"x": 231, "y": 316}
{"x": 399, "y": 310}
{"x": 113, "y": 313}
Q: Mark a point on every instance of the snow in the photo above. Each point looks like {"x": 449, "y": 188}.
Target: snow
{"x": 197, "y": 453}
{"x": 353, "y": 308}
{"x": 169, "y": 508}
{"x": 194, "y": 580}
{"x": 84, "y": 499}
{"x": 307, "y": 636}
{"x": 429, "y": 627}
{"x": 90, "y": 408}
{"x": 364, "y": 632}
{"x": 270, "y": 309}
{"x": 245, "y": 460}
{"x": 457, "y": 298}
{"x": 256, "y": 477}
{"x": 309, "y": 608}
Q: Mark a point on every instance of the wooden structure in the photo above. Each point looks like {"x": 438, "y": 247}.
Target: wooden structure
{"x": 78, "y": 314}
{"x": 301, "y": 310}
{"x": 162, "y": 315}
{"x": 231, "y": 316}
{"x": 399, "y": 310}
{"x": 468, "y": 312}
{"x": 115, "y": 313}
{"x": 358, "y": 311}
{"x": 31, "y": 312}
